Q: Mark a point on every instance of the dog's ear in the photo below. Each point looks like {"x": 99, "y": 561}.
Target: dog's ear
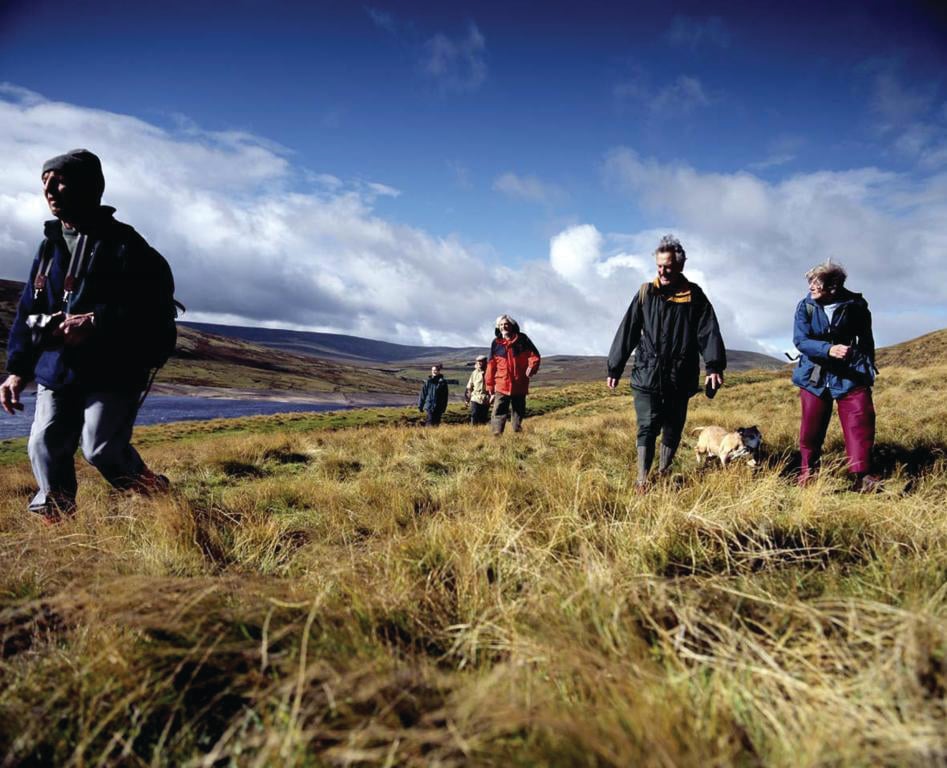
{"x": 742, "y": 431}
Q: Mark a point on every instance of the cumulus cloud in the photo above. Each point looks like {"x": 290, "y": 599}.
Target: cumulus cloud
{"x": 256, "y": 238}
{"x": 912, "y": 118}
{"x": 528, "y": 188}
{"x": 679, "y": 97}
{"x": 456, "y": 64}
{"x": 752, "y": 240}
{"x": 693, "y": 32}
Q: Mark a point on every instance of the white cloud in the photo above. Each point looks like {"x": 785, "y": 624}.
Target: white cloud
{"x": 753, "y": 239}
{"x": 256, "y": 239}
{"x": 528, "y": 188}
{"x": 679, "y": 97}
{"x": 456, "y": 64}
{"x": 693, "y": 32}
{"x": 911, "y": 118}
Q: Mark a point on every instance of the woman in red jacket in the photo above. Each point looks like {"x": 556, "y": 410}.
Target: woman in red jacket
{"x": 513, "y": 360}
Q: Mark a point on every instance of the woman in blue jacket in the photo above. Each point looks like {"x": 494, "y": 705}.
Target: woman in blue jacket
{"x": 836, "y": 363}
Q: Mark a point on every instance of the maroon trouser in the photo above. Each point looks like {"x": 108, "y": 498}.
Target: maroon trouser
{"x": 856, "y": 412}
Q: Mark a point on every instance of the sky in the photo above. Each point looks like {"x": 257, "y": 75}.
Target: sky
{"x": 408, "y": 171}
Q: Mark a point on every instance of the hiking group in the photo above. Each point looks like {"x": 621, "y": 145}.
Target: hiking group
{"x": 96, "y": 320}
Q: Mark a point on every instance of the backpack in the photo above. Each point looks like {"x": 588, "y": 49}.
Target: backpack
{"x": 164, "y": 335}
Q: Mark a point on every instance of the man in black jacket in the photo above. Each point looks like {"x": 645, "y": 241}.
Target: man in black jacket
{"x": 86, "y": 329}
{"x": 433, "y": 398}
{"x": 669, "y": 324}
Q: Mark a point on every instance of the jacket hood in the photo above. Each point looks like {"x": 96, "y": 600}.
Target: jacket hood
{"x": 515, "y": 332}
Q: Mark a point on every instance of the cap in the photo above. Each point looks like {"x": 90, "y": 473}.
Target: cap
{"x": 82, "y": 166}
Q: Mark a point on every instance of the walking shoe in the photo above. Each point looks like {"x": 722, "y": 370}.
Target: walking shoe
{"x": 149, "y": 484}
{"x": 52, "y": 513}
{"x": 641, "y": 488}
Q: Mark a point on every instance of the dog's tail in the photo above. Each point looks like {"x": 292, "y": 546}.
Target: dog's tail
{"x": 697, "y": 430}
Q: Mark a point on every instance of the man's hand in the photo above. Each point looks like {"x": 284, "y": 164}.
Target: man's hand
{"x": 10, "y": 394}
{"x": 839, "y": 351}
{"x": 76, "y": 329}
{"x": 714, "y": 379}
{"x": 612, "y": 383}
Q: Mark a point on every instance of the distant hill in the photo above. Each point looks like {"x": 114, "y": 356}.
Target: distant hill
{"x": 238, "y": 357}
{"x": 208, "y": 360}
{"x": 338, "y": 346}
{"x": 556, "y": 368}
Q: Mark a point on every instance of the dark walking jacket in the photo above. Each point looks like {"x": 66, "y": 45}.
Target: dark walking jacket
{"x": 433, "y": 397}
{"x": 120, "y": 284}
{"x": 668, "y": 334}
{"x": 813, "y": 335}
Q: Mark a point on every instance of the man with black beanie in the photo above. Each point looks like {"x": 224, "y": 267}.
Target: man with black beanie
{"x": 85, "y": 329}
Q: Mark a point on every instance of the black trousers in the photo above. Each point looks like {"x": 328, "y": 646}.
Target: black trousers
{"x": 512, "y": 407}
{"x": 479, "y": 413}
{"x": 432, "y": 419}
{"x": 660, "y": 413}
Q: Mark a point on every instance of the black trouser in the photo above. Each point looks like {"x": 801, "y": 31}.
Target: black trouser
{"x": 479, "y": 412}
{"x": 432, "y": 418}
{"x": 664, "y": 413}
{"x": 502, "y": 407}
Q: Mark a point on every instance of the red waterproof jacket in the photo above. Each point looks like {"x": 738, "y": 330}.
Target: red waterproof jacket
{"x": 506, "y": 368}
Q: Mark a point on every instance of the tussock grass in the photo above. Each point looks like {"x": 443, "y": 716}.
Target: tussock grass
{"x": 387, "y": 595}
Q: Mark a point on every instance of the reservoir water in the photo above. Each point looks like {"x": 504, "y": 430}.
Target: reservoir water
{"x": 161, "y": 409}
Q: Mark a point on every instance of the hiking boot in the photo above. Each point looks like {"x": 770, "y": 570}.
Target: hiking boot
{"x": 642, "y": 487}
{"x": 150, "y": 484}
{"x": 52, "y": 513}
{"x": 806, "y": 477}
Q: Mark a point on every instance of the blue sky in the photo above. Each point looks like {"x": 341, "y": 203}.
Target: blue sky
{"x": 409, "y": 171}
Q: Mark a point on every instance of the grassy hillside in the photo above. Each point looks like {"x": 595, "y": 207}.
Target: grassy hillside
{"x": 924, "y": 351}
{"x": 387, "y": 595}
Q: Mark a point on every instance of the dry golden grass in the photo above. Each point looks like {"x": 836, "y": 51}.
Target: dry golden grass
{"x": 395, "y": 596}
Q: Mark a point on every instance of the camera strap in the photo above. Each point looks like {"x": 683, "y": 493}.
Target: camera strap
{"x": 42, "y": 271}
{"x": 77, "y": 261}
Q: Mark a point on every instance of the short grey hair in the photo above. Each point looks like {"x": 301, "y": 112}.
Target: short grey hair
{"x": 829, "y": 273}
{"x": 670, "y": 244}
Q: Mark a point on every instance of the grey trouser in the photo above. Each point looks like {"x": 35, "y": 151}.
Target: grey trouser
{"x": 660, "y": 413}
{"x": 101, "y": 422}
{"x": 502, "y": 407}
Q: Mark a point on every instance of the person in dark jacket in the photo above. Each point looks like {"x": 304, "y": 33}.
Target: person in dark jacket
{"x": 669, "y": 324}
{"x": 433, "y": 398}
{"x": 82, "y": 330}
{"x": 832, "y": 331}
{"x": 513, "y": 361}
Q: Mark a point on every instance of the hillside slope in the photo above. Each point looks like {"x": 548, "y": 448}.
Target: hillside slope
{"x": 206, "y": 360}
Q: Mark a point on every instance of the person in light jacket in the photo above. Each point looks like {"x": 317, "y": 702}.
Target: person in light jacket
{"x": 476, "y": 395}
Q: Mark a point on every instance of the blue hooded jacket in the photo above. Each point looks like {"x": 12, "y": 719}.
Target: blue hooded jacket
{"x": 814, "y": 334}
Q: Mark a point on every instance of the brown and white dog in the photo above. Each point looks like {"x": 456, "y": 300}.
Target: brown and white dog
{"x": 726, "y": 446}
